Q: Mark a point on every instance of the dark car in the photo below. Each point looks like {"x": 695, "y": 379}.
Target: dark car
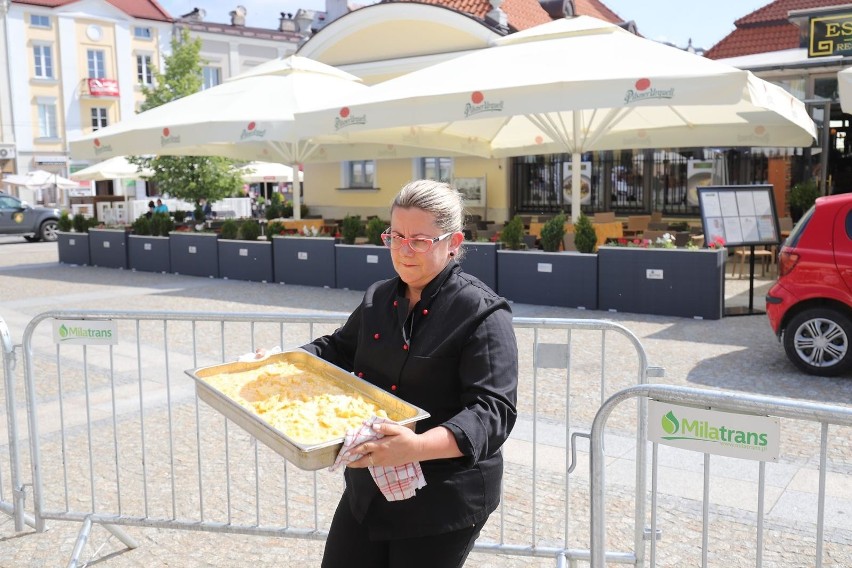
{"x": 810, "y": 306}
{"x": 33, "y": 223}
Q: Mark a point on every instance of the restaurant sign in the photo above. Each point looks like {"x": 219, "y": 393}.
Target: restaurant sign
{"x": 100, "y": 87}
{"x": 830, "y": 35}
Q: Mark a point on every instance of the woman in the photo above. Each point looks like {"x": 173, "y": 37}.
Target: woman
{"x": 441, "y": 340}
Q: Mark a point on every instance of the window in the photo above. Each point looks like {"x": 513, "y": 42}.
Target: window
{"x": 211, "y": 76}
{"x": 99, "y": 117}
{"x": 47, "y": 120}
{"x": 97, "y": 68}
{"x": 43, "y": 57}
{"x": 439, "y": 169}
{"x": 140, "y": 32}
{"x": 144, "y": 73}
{"x": 360, "y": 173}
{"x": 39, "y": 21}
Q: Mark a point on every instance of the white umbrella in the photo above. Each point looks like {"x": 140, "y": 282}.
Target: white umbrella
{"x": 249, "y": 117}
{"x": 113, "y": 168}
{"x": 844, "y": 86}
{"x": 40, "y": 179}
{"x": 262, "y": 172}
{"x": 574, "y": 85}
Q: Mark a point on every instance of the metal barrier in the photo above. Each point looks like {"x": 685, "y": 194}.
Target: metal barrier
{"x": 787, "y": 540}
{"x": 118, "y": 437}
{"x": 11, "y": 490}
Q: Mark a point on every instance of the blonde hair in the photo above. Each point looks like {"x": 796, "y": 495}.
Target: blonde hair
{"x": 442, "y": 200}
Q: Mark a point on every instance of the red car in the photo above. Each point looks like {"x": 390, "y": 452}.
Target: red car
{"x": 810, "y": 306}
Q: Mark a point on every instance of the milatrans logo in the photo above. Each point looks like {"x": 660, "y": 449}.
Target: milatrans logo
{"x": 168, "y": 138}
{"x": 478, "y": 104}
{"x": 702, "y": 430}
{"x": 251, "y": 131}
{"x": 344, "y": 119}
{"x": 643, "y": 91}
{"x": 87, "y": 332}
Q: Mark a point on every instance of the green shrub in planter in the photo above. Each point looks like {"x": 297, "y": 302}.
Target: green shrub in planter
{"x": 552, "y": 233}
{"x": 802, "y": 197}
{"x": 142, "y": 226}
{"x": 512, "y": 235}
{"x": 375, "y": 228}
{"x": 585, "y": 237}
{"x": 230, "y": 228}
{"x": 161, "y": 224}
{"x": 350, "y": 228}
{"x": 180, "y": 216}
{"x": 80, "y": 223}
{"x": 64, "y": 223}
{"x": 249, "y": 230}
{"x": 276, "y": 228}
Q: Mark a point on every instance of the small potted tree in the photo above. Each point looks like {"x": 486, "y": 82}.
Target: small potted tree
{"x": 356, "y": 266}
{"x": 802, "y": 197}
{"x": 148, "y": 245}
{"x": 73, "y": 239}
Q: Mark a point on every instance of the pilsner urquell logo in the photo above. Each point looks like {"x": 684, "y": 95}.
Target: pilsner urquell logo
{"x": 101, "y": 149}
{"x": 168, "y": 138}
{"x": 643, "y": 91}
{"x": 344, "y": 119}
{"x": 704, "y": 431}
{"x": 251, "y": 131}
{"x": 478, "y": 104}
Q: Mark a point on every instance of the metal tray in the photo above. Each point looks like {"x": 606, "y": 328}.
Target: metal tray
{"x": 308, "y": 457}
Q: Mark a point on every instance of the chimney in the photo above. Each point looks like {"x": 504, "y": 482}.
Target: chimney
{"x": 238, "y": 17}
{"x": 496, "y": 16}
{"x": 335, "y": 9}
{"x": 197, "y": 15}
{"x": 286, "y": 23}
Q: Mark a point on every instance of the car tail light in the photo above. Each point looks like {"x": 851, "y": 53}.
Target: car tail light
{"x": 786, "y": 262}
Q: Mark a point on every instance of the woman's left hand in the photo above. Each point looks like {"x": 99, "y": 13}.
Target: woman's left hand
{"x": 399, "y": 446}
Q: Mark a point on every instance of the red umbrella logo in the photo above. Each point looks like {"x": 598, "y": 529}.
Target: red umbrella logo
{"x": 250, "y": 126}
{"x": 539, "y": 140}
{"x": 760, "y": 130}
{"x": 97, "y": 143}
{"x": 477, "y": 97}
{"x": 344, "y": 112}
{"x": 165, "y": 132}
{"x": 642, "y": 84}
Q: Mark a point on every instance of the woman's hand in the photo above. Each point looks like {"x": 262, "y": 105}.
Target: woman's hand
{"x": 399, "y": 446}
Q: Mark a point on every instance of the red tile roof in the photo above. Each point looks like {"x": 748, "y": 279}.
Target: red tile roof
{"x": 522, "y": 14}
{"x": 766, "y": 29}
{"x": 142, "y": 9}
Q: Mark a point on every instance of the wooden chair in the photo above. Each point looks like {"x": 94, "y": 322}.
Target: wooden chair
{"x": 762, "y": 255}
{"x": 568, "y": 242}
{"x": 637, "y": 224}
{"x": 652, "y": 235}
{"x": 656, "y": 216}
{"x": 604, "y": 217}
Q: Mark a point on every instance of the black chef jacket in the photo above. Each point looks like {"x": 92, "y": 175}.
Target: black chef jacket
{"x": 460, "y": 364}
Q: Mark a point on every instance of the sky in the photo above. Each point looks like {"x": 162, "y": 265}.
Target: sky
{"x": 674, "y": 21}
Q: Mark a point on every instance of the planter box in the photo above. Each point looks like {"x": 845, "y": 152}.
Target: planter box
{"x": 480, "y": 260}
{"x": 73, "y": 248}
{"x": 666, "y": 282}
{"x": 358, "y": 266}
{"x": 245, "y": 260}
{"x": 148, "y": 254}
{"x": 194, "y": 254}
{"x": 304, "y": 261}
{"x": 108, "y": 248}
{"x": 568, "y": 279}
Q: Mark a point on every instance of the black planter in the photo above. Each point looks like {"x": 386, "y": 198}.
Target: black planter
{"x": 245, "y": 260}
{"x": 194, "y": 254}
{"x": 73, "y": 248}
{"x": 108, "y": 248}
{"x": 148, "y": 254}
{"x": 305, "y": 261}
{"x": 480, "y": 260}
{"x": 568, "y": 279}
{"x": 358, "y": 266}
{"x": 667, "y": 282}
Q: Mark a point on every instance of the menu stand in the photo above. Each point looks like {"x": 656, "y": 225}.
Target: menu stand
{"x": 747, "y": 310}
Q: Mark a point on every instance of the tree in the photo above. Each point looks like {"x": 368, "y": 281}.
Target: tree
{"x": 186, "y": 177}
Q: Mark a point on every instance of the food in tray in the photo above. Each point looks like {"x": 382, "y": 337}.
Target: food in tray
{"x": 303, "y": 405}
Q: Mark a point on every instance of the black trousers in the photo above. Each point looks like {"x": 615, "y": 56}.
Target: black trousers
{"x": 349, "y": 546}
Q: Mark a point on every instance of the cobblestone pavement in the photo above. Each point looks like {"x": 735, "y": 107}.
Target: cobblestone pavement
{"x": 738, "y": 354}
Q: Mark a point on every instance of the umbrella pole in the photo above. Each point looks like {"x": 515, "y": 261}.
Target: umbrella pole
{"x": 297, "y": 199}
{"x": 576, "y": 190}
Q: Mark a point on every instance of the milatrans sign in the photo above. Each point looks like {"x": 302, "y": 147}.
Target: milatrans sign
{"x": 85, "y": 332}
{"x": 744, "y": 436}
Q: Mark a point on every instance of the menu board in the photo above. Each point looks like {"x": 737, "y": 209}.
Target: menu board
{"x": 739, "y": 214}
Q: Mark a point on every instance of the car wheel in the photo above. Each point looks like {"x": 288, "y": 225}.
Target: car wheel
{"x": 47, "y": 231}
{"x": 817, "y": 341}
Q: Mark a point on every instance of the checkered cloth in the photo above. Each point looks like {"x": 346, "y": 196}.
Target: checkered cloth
{"x": 395, "y": 482}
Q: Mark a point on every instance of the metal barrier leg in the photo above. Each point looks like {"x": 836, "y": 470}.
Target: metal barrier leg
{"x": 82, "y": 538}
{"x": 122, "y": 535}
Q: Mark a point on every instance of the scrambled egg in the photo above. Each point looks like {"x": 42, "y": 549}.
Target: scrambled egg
{"x": 302, "y": 405}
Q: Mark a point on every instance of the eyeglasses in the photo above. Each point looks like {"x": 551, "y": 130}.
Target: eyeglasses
{"x": 395, "y": 242}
